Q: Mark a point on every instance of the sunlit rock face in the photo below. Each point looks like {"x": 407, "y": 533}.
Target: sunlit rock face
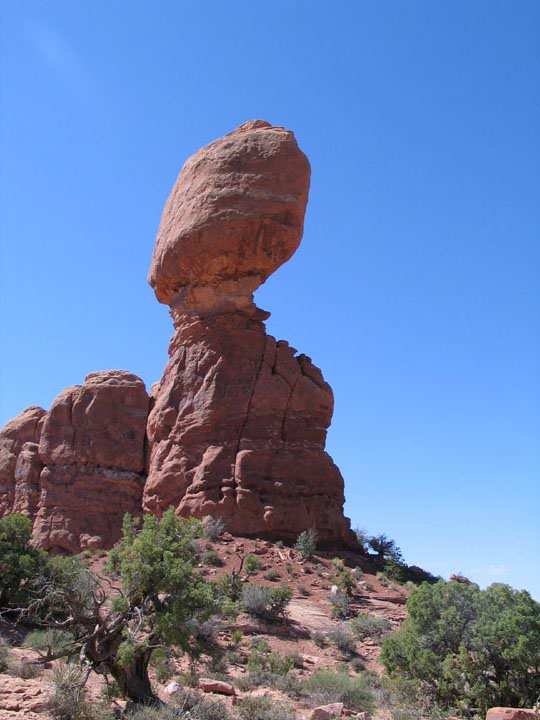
{"x": 238, "y": 422}
{"x": 92, "y": 451}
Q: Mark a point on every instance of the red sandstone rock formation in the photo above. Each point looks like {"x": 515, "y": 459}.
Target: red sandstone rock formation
{"x": 25, "y": 428}
{"x": 237, "y": 425}
{"x": 92, "y": 445}
{"x": 239, "y": 422}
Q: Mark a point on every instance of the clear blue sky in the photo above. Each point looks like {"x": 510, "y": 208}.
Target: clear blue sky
{"x": 417, "y": 286}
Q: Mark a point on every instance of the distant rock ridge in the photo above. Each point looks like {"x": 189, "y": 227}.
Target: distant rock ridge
{"x": 236, "y": 427}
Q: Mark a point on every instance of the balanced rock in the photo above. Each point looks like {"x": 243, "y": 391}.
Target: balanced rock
{"x": 236, "y": 213}
{"x": 238, "y": 422}
{"x": 92, "y": 446}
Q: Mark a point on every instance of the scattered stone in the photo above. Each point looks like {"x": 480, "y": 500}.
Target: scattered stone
{"x": 216, "y": 686}
{"x": 501, "y": 713}
{"x": 173, "y": 688}
{"x": 327, "y": 712}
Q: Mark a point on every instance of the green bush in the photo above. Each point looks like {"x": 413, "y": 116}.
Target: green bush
{"x": 212, "y": 528}
{"x": 210, "y": 557}
{"x": 20, "y": 563}
{"x": 341, "y": 605}
{"x": 68, "y": 700}
{"x": 370, "y": 626}
{"x": 253, "y": 564}
{"x": 319, "y": 638}
{"x": 47, "y": 641}
{"x": 329, "y": 686}
{"x": 263, "y": 708}
{"x": 358, "y": 573}
{"x": 265, "y": 603}
{"x": 261, "y": 660}
{"x": 472, "y": 648}
{"x": 5, "y": 656}
{"x": 343, "y": 640}
{"x": 306, "y": 543}
{"x": 345, "y": 581}
{"x": 272, "y": 575}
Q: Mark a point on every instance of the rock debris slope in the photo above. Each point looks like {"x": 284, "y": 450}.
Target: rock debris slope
{"x": 237, "y": 425}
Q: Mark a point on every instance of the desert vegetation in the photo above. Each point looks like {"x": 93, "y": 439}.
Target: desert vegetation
{"x": 164, "y": 607}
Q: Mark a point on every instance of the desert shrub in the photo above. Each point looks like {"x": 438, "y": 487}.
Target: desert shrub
{"x": 338, "y": 564}
{"x": 253, "y": 564}
{"x": 345, "y": 581}
{"x": 303, "y": 590}
{"x": 328, "y": 686}
{"x": 212, "y": 528}
{"x": 272, "y": 575}
{"x": 191, "y": 707}
{"x": 358, "y": 573}
{"x": 381, "y": 577}
{"x": 210, "y": 557}
{"x": 47, "y": 641}
{"x": 296, "y": 659}
{"x": 344, "y": 641}
{"x": 22, "y": 668}
{"x": 20, "y": 563}
{"x": 236, "y": 638}
{"x": 290, "y": 569}
{"x": 261, "y": 660}
{"x": 341, "y": 605}
{"x": 319, "y": 570}
{"x": 319, "y": 638}
{"x": 357, "y": 664}
{"x": 306, "y": 543}
{"x": 263, "y": 708}
{"x": 265, "y": 603}
{"x": 370, "y": 626}
{"x": 68, "y": 700}
{"x": 476, "y": 647}
{"x": 6, "y": 655}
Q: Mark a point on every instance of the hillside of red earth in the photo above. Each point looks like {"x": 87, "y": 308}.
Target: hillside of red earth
{"x": 310, "y": 633}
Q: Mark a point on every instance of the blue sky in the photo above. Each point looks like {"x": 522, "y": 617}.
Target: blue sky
{"x": 416, "y": 288}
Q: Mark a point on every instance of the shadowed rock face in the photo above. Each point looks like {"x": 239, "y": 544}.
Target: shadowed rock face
{"x": 239, "y": 421}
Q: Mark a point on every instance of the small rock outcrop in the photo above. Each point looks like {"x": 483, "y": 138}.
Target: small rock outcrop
{"x": 238, "y": 424}
{"x": 504, "y": 713}
{"x": 92, "y": 447}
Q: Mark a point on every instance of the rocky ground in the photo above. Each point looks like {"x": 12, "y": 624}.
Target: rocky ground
{"x": 25, "y": 687}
